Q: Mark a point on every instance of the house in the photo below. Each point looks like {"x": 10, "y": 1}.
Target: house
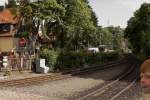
{"x": 7, "y": 29}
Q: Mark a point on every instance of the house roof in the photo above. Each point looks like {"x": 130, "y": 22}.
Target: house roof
{"x": 7, "y": 17}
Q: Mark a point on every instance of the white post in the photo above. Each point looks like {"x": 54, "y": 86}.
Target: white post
{"x": 21, "y": 62}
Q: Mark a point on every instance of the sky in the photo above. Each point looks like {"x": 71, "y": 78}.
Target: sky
{"x": 112, "y": 12}
{"x": 115, "y": 12}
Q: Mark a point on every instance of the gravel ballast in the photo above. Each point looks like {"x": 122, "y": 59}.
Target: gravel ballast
{"x": 60, "y": 89}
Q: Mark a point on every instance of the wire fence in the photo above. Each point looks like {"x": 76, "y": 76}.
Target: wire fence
{"x": 20, "y": 63}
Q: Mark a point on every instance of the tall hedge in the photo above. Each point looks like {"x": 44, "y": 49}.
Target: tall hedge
{"x": 65, "y": 60}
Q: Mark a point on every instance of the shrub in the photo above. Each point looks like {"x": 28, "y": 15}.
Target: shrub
{"x": 78, "y": 59}
{"x": 73, "y": 59}
{"x": 50, "y": 56}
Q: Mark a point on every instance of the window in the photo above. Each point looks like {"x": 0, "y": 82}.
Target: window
{"x": 4, "y": 28}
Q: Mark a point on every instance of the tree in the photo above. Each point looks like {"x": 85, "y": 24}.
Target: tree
{"x": 138, "y": 31}
{"x": 106, "y": 37}
{"x": 11, "y": 4}
{"x": 110, "y": 36}
{"x": 79, "y": 30}
{"x": 40, "y": 16}
{"x": 94, "y": 19}
{"x": 117, "y": 36}
{"x": 48, "y": 13}
{"x": 72, "y": 22}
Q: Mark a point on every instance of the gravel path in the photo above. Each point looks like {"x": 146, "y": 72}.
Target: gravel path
{"x": 10, "y": 95}
{"x": 61, "y": 89}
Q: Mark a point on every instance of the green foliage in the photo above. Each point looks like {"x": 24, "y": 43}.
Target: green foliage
{"x": 80, "y": 59}
{"x": 138, "y": 31}
{"x": 12, "y": 3}
{"x": 23, "y": 34}
{"x": 78, "y": 29}
{"x": 73, "y": 59}
{"x": 106, "y": 37}
{"x": 110, "y": 36}
{"x": 48, "y": 9}
{"x": 94, "y": 18}
{"x": 50, "y": 56}
{"x": 73, "y": 22}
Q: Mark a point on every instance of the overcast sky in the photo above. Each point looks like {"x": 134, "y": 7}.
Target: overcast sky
{"x": 112, "y": 12}
{"x": 115, "y": 12}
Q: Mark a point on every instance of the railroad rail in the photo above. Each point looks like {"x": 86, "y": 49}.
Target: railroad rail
{"x": 33, "y": 80}
{"x": 58, "y": 76}
{"x": 94, "y": 68}
{"x": 112, "y": 90}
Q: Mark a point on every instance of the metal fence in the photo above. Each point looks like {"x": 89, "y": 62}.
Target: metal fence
{"x": 20, "y": 63}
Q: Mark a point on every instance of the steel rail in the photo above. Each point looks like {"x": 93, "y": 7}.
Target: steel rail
{"x": 102, "y": 90}
{"x": 122, "y": 91}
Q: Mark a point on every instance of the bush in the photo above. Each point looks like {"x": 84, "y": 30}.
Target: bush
{"x": 67, "y": 60}
{"x": 78, "y": 59}
{"x": 50, "y": 56}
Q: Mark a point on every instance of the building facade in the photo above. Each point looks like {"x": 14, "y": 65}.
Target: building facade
{"x": 7, "y": 30}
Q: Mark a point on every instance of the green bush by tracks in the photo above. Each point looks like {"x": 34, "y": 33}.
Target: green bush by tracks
{"x": 50, "y": 56}
{"x": 68, "y": 60}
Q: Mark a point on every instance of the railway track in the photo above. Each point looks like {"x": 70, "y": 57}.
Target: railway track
{"x": 47, "y": 78}
{"x": 95, "y": 68}
{"x": 33, "y": 80}
{"x": 112, "y": 90}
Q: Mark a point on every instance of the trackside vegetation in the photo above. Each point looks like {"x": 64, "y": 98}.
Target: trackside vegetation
{"x": 71, "y": 59}
{"x": 138, "y": 32}
{"x": 61, "y": 30}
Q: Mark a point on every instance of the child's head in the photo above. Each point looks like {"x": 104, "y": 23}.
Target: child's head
{"x": 145, "y": 73}
{"x": 145, "y": 67}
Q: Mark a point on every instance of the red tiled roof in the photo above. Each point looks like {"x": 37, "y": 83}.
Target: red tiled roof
{"x": 7, "y": 17}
